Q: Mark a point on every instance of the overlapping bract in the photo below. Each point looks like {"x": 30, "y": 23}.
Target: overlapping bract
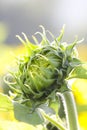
{"x": 44, "y": 68}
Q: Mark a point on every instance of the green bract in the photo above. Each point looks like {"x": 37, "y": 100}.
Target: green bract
{"x": 43, "y": 69}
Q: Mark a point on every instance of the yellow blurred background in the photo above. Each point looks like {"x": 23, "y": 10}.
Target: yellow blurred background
{"x": 26, "y": 16}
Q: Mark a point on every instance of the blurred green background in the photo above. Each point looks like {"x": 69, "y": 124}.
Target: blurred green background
{"x": 18, "y": 16}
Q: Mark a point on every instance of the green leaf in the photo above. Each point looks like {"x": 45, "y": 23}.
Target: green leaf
{"x": 61, "y": 34}
{"x": 22, "y": 113}
{"x": 48, "y": 110}
{"x": 5, "y": 103}
{"x": 79, "y": 71}
{"x": 29, "y": 46}
{"x": 70, "y": 47}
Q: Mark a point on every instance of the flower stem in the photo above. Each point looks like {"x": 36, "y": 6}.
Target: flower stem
{"x": 70, "y": 110}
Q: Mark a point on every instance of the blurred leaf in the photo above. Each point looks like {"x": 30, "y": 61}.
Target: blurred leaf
{"x": 82, "y": 108}
{"x": 22, "y": 113}
{"x": 7, "y": 115}
{"x": 79, "y": 71}
{"x": 5, "y": 103}
{"x": 9, "y": 125}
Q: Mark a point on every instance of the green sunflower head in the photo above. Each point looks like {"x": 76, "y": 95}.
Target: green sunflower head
{"x": 44, "y": 68}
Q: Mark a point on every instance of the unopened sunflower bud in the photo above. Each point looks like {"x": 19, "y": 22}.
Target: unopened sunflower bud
{"x": 44, "y": 68}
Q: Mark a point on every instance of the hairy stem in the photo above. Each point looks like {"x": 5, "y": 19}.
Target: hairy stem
{"x": 70, "y": 110}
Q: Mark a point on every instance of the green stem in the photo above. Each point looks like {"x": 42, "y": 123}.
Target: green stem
{"x": 55, "y": 123}
{"x": 70, "y": 110}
